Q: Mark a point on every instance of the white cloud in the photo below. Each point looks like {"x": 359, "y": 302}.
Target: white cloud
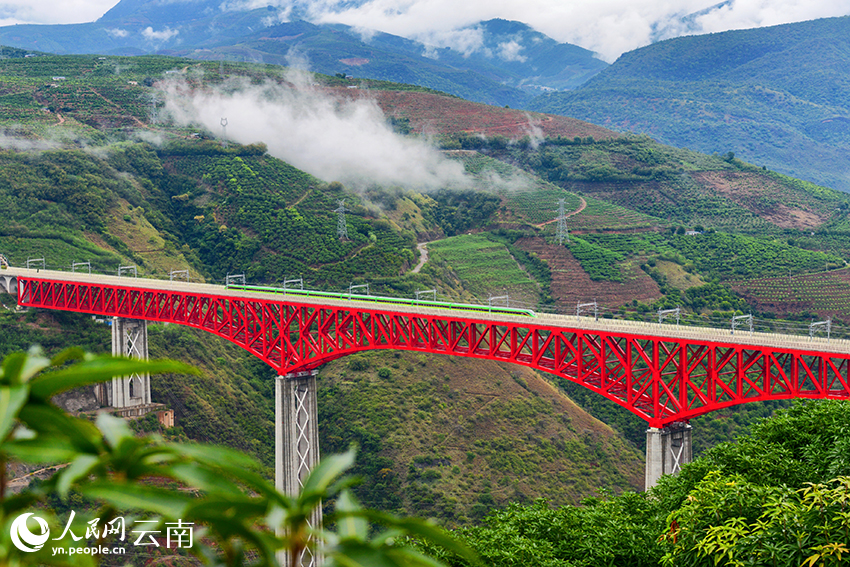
{"x": 246, "y": 5}
{"x": 366, "y": 34}
{"x": 164, "y": 35}
{"x": 343, "y": 140}
{"x": 117, "y": 32}
{"x": 466, "y": 41}
{"x": 281, "y": 17}
{"x": 757, "y": 13}
{"x": 510, "y": 51}
{"x": 52, "y": 12}
{"x": 608, "y": 27}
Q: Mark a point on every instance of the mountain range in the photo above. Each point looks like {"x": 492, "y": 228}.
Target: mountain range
{"x": 508, "y": 64}
{"x": 773, "y": 96}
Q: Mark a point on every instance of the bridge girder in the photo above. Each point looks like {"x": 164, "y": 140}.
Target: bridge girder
{"x": 660, "y": 379}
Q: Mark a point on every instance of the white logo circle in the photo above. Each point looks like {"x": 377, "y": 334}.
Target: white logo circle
{"x": 24, "y": 539}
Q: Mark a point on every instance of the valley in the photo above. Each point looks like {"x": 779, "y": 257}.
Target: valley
{"x": 99, "y": 166}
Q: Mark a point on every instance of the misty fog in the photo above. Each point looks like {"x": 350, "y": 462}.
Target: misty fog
{"x": 334, "y": 138}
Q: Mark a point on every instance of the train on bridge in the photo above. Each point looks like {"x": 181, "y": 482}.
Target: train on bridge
{"x": 387, "y": 301}
{"x": 665, "y": 374}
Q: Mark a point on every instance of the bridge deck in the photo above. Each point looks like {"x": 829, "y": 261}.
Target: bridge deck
{"x": 612, "y": 326}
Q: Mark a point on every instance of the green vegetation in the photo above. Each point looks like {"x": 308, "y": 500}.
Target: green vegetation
{"x": 729, "y": 256}
{"x": 529, "y": 261}
{"x": 111, "y": 472}
{"x": 767, "y": 94}
{"x": 460, "y": 211}
{"x": 711, "y": 429}
{"x": 827, "y": 293}
{"x": 202, "y": 203}
{"x": 485, "y": 267}
{"x": 52, "y": 330}
{"x": 289, "y": 216}
{"x": 678, "y": 185}
{"x": 230, "y": 402}
{"x": 599, "y": 263}
{"x": 483, "y": 435}
{"x": 605, "y": 216}
{"x": 777, "y": 497}
{"x": 711, "y": 297}
{"x": 714, "y": 255}
{"x": 529, "y": 199}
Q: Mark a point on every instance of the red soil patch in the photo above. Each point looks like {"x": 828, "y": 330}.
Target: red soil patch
{"x": 764, "y": 197}
{"x": 354, "y": 61}
{"x": 571, "y": 284}
{"x": 438, "y": 114}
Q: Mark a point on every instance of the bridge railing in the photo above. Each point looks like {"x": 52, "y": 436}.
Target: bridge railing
{"x": 648, "y": 319}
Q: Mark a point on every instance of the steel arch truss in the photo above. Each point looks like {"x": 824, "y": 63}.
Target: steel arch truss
{"x": 662, "y": 380}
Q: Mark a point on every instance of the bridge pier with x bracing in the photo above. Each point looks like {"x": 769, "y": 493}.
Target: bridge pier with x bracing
{"x": 130, "y": 395}
{"x": 664, "y": 374}
{"x": 667, "y": 449}
{"x": 297, "y": 444}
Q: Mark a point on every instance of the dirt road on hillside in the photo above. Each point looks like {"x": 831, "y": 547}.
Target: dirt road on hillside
{"x": 423, "y": 256}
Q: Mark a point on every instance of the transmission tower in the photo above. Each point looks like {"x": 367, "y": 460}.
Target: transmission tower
{"x": 562, "y": 232}
{"x": 224, "y": 132}
{"x": 154, "y": 102}
{"x": 341, "y": 226}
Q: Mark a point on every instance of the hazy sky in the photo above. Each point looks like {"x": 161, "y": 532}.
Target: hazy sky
{"x": 608, "y": 27}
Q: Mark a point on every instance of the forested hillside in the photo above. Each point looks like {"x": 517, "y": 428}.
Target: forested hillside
{"x": 512, "y": 63}
{"x": 773, "y": 96}
{"x": 95, "y": 169}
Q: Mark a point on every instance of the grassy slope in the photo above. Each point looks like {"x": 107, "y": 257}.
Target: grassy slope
{"x": 485, "y": 268}
{"x": 452, "y": 437}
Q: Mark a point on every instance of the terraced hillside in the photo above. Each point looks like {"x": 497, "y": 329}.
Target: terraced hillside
{"x": 571, "y": 283}
{"x": 434, "y": 113}
{"x": 683, "y": 186}
{"x": 84, "y": 181}
{"x": 824, "y": 293}
{"x": 530, "y": 201}
{"x": 486, "y": 269}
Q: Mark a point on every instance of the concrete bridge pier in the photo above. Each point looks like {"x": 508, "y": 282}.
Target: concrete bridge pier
{"x": 129, "y": 338}
{"x": 297, "y": 444}
{"x": 667, "y": 449}
{"x": 8, "y": 284}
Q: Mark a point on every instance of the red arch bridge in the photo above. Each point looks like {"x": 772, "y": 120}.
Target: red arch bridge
{"x": 664, "y": 374}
